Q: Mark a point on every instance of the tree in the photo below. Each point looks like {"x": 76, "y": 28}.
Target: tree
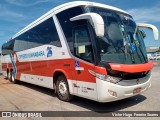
{"x": 158, "y": 50}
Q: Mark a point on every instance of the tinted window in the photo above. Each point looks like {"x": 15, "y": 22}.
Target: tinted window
{"x": 7, "y": 48}
{"x": 44, "y": 33}
{"x": 82, "y": 43}
{"x": 67, "y": 25}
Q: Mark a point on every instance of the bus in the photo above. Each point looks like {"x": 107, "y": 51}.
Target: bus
{"x": 84, "y": 49}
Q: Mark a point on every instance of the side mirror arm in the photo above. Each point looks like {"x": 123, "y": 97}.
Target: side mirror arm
{"x": 149, "y": 26}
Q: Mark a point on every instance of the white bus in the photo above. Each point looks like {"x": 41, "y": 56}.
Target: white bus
{"x": 82, "y": 49}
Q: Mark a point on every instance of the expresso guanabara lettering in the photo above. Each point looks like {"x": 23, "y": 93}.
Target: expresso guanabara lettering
{"x": 32, "y": 55}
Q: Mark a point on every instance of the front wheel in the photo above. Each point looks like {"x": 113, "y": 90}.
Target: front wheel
{"x": 63, "y": 89}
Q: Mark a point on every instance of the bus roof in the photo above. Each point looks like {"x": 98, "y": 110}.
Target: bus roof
{"x": 61, "y": 8}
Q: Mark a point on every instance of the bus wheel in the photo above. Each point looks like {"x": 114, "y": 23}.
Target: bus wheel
{"x": 63, "y": 89}
{"x": 12, "y": 78}
{"x": 7, "y": 75}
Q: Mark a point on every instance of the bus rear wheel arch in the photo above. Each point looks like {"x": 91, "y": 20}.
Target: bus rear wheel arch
{"x": 62, "y": 88}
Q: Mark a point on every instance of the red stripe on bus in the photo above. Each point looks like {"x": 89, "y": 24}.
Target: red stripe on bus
{"x": 49, "y": 67}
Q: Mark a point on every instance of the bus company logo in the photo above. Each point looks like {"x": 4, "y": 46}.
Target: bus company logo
{"x": 32, "y": 55}
{"x": 49, "y": 53}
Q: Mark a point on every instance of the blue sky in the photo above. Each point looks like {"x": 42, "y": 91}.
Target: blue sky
{"x": 16, "y": 14}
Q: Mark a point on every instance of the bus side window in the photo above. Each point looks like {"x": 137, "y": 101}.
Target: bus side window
{"x": 67, "y": 25}
{"x": 82, "y": 43}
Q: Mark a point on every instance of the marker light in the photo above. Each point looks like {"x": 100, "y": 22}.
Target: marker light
{"x": 112, "y": 93}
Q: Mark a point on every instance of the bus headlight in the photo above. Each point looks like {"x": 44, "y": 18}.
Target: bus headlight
{"x": 107, "y": 78}
{"x": 112, "y": 79}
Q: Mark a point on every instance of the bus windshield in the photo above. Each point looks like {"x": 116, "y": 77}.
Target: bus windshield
{"x": 122, "y": 42}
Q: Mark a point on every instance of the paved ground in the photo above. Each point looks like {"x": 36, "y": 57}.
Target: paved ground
{"x": 27, "y": 97}
{"x": 156, "y": 62}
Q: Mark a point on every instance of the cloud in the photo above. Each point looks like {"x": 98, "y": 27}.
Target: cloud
{"x": 29, "y": 3}
{"x": 12, "y": 16}
{"x": 145, "y": 14}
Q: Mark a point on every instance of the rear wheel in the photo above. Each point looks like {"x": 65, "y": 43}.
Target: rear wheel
{"x": 63, "y": 89}
{"x": 7, "y": 74}
{"x": 12, "y": 77}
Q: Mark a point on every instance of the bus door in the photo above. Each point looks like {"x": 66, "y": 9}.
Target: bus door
{"x": 84, "y": 62}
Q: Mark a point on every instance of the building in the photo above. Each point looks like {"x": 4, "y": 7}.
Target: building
{"x": 151, "y": 51}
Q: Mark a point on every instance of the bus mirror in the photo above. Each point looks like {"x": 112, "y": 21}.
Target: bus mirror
{"x": 149, "y": 26}
{"x": 95, "y": 19}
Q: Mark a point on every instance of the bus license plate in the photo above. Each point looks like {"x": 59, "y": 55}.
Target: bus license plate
{"x": 137, "y": 90}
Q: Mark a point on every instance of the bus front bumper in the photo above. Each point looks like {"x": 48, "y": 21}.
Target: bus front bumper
{"x": 108, "y": 92}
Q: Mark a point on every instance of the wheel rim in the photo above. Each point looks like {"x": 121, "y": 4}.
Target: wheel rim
{"x": 13, "y": 77}
{"x": 62, "y": 88}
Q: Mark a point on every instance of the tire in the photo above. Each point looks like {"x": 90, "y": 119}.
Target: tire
{"x": 12, "y": 78}
{"x": 62, "y": 89}
{"x": 7, "y": 75}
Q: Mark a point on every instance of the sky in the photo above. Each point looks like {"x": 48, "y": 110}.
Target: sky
{"x": 16, "y": 14}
